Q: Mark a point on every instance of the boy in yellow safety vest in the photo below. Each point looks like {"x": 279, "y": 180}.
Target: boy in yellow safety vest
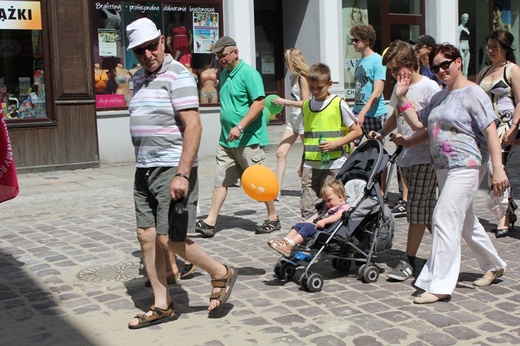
{"x": 324, "y": 114}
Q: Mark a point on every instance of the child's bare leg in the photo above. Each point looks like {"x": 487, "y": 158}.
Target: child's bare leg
{"x": 296, "y": 239}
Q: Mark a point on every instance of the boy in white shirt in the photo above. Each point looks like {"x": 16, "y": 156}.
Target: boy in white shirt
{"x": 414, "y": 160}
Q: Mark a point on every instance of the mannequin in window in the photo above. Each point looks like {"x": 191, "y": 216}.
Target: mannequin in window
{"x": 464, "y": 43}
{"x": 100, "y": 79}
{"x": 4, "y": 95}
{"x": 180, "y": 39}
{"x": 111, "y": 18}
{"x": 134, "y": 70}
{"x": 122, "y": 77}
{"x": 209, "y": 82}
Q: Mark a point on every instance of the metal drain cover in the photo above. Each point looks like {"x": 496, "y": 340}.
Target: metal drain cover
{"x": 111, "y": 272}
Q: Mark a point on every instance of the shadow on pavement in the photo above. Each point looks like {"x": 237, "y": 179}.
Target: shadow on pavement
{"x": 29, "y": 314}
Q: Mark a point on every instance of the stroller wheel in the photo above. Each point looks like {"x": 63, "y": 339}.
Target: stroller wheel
{"x": 287, "y": 270}
{"x": 361, "y": 269}
{"x": 313, "y": 283}
{"x": 340, "y": 264}
{"x": 370, "y": 274}
{"x": 277, "y": 271}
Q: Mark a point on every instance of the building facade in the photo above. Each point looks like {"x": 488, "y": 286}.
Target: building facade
{"x": 66, "y": 76}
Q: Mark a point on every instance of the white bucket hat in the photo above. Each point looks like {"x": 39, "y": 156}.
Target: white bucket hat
{"x": 140, "y": 31}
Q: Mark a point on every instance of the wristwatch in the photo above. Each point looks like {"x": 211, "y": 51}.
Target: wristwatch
{"x": 240, "y": 128}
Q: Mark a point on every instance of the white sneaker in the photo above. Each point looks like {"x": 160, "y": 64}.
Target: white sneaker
{"x": 402, "y": 271}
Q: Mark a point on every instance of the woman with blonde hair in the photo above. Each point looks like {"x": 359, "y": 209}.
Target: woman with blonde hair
{"x": 294, "y": 62}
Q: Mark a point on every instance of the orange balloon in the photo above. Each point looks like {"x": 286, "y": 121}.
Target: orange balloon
{"x": 260, "y": 183}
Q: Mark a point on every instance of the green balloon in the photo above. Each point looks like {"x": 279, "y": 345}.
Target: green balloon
{"x": 266, "y": 114}
{"x": 273, "y": 109}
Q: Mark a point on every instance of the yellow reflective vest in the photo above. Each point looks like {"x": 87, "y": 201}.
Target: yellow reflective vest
{"x": 327, "y": 122}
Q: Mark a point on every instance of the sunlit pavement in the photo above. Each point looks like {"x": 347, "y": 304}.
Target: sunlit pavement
{"x": 70, "y": 274}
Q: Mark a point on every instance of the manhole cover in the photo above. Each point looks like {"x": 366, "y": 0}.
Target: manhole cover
{"x": 111, "y": 272}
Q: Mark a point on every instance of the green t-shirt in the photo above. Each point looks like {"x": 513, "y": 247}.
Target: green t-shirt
{"x": 238, "y": 89}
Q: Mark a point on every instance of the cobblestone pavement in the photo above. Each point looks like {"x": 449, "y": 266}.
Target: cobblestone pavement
{"x": 70, "y": 274}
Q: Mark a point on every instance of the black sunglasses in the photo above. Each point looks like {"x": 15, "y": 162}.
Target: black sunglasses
{"x": 355, "y": 40}
{"x": 152, "y": 47}
{"x": 444, "y": 65}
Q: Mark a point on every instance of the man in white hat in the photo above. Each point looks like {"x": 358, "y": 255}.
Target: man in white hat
{"x": 165, "y": 107}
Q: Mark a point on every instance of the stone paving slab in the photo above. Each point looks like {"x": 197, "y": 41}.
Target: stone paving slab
{"x": 70, "y": 273}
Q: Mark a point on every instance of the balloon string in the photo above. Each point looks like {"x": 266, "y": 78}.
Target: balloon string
{"x": 292, "y": 211}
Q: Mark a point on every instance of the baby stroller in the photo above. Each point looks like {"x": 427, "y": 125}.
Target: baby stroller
{"x": 365, "y": 229}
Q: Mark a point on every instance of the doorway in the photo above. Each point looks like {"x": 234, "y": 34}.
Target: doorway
{"x": 269, "y": 50}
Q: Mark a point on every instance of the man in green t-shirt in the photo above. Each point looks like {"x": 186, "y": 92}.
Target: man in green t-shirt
{"x": 243, "y": 132}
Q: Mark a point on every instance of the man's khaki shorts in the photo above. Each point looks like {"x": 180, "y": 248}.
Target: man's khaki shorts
{"x": 152, "y": 197}
{"x": 232, "y": 162}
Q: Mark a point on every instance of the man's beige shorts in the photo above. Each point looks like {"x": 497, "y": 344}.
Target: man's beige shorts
{"x": 232, "y": 162}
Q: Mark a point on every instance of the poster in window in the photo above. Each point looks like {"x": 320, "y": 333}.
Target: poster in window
{"x": 107, "y": 40}
{"x": 267, "y": 62}
{"x": 205, "y": 31}
{"x": 354, "y": 13}
{"x": 502, "y": 15}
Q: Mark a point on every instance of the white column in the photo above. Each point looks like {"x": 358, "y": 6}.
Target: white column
{"x": 239, "y": 23}
{"x": 331, "y": 42}
{"x": 442, "y": 20}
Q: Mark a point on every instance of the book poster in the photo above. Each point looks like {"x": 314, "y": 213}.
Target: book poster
{"x": 107, "y": 39}
{"x": 267, "y": 62}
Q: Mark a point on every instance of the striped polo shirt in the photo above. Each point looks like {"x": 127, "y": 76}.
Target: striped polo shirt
{"x": 155, "y": 126}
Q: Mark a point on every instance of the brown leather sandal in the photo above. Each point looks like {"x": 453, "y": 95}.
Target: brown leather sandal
{"x": 158, "y": 316}
{"x": 226, "y": 286}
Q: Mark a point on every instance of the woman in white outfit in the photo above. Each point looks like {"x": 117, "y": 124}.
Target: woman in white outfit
{"x": 294, "y": 62}
{"x": 464, "y": 43}
{"x": 462, "y": 134}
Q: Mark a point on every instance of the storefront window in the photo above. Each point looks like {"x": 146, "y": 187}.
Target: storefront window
{"x": 405, "y": 6}
{"x": 22, "y": 82}
{"x": 190, "y": 28}
{"x": 357, "y": 12}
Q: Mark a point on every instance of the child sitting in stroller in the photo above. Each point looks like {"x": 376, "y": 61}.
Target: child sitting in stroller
{"x": 333, "y": 195}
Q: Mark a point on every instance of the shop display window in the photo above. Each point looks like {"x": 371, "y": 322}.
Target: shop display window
{"x": 190, "y": 29}
{"x": 22, "y": 81}
{"x": 357, "y": 12}
{"x": 473, "y": 33}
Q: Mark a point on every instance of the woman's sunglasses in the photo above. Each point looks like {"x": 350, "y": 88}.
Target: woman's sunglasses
{"x": 444, "y": 65}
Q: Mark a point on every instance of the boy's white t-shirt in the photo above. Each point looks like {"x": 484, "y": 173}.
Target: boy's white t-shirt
{"x": 419, "y": 95}
{"x": 348, "y": 119}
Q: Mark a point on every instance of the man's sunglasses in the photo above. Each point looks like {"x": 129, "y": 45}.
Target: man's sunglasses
{"x": 444, "y": 65}
{"x": 152, "y": 47}
{"x": 356, "y": 40}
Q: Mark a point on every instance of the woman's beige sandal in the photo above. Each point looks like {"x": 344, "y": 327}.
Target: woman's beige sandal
{"x": 226, "y": 286}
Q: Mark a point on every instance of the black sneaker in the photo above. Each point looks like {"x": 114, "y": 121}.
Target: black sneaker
{"x": 269, "y": 226}
{"x": 400, "y": 209}
{"x": 205, "y": 230}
